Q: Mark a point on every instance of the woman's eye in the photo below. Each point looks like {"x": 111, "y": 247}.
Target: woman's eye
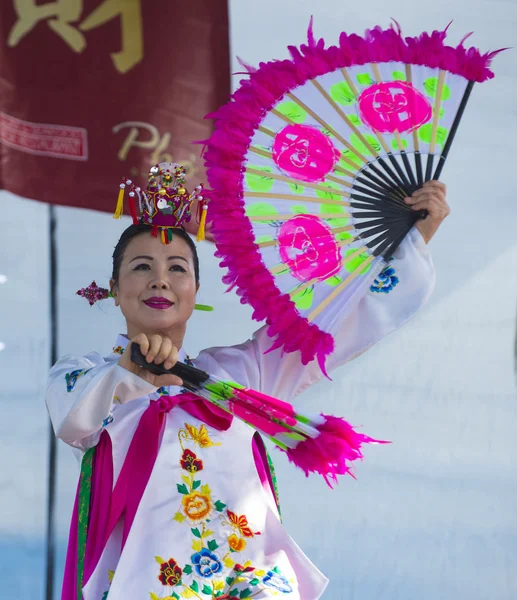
{"x": 142, "y": 267}
{"x": 177, "y": 268}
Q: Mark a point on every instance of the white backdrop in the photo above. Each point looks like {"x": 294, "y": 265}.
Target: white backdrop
{"x": 431, "y": 516}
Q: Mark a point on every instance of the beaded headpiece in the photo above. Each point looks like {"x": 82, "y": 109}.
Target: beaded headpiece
{"x": 165, "y": 204}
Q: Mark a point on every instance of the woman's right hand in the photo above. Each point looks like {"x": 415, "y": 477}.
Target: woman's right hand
{"x": 156, "y": 349}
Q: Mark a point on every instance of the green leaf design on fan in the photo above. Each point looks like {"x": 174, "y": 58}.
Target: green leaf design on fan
{"x": 356, "y": 262}
{"x": 354, "y": 119}
{"x": 264, "y": 238}
{"x": 337, "y": 210}
{"x": 350, "y": 156}
{"x": 426, "y": 131}
{"x": 292, "y": 111}
{"x": 329, "y": 195}
{"x": 358, "y": 144}
{"x": 395, "y": 144}
{"x": 431, "y": 87}
{"x": 260, "y": 183}
{"x": 304, "y": 299}
{"x": 296, "y": 188}
{"x": 333, "y": 281}
{"x": 299, "y": 209}
{"x": 342, "y": 93}
{"x": 260, "y": 209}
{"x": 364, "y": 79}
{"x": 398, "y": 76}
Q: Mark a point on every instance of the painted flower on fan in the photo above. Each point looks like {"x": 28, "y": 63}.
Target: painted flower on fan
{"x": 277, "y": 581}
{"x": 240, "y": 522}
{"x": 236, "y": 543}
{"x": 170, "y": 573}
{"x": 196, "y": 506}
{"x": 385, "y": 281}
{"x": 190, "y": 462}
{"x": 206, "y": 563}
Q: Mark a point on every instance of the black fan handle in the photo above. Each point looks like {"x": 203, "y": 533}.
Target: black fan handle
{"x": 187, "y": 373}
{"x": 422, "y": 214}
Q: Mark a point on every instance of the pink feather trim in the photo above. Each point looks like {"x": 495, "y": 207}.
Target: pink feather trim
{"x": 332, "y": 452}
{"x": 235, "y": 125}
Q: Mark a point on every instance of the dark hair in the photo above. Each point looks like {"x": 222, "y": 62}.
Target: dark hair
{"x": 134, "y": 230}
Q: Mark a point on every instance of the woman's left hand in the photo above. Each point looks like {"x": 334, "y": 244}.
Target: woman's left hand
{"x": 432, "y": 197}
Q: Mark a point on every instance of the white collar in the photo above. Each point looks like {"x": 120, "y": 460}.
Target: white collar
{"x": 122, "y": 342}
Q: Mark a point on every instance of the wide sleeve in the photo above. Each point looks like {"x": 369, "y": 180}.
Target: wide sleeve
{"x": 410, "y": 282}
{"x": 81, "y": 394}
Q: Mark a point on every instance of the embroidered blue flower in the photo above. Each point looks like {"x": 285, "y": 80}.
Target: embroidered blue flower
{"x": 163, "y": 391}
{"x": 385, "y": 281}
{"x": 71, "y": 378}
{"x": 206, "y": 563}
{"x": 107, "y": 420}
{"x": 277, "y": 581}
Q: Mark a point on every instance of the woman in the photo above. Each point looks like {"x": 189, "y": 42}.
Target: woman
{"x": 182, "y": 500}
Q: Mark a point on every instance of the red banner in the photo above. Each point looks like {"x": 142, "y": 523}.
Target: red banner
{"x": 93, "y": 90}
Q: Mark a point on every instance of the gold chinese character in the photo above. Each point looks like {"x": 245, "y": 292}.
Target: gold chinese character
{"x": 132, "y": 35}
{"x": 59, "y": 15}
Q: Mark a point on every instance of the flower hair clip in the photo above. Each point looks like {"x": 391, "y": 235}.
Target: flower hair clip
{"x": 93, "y": 293}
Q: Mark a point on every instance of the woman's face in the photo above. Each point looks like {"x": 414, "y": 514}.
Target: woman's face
{"x": 156, "y": 288}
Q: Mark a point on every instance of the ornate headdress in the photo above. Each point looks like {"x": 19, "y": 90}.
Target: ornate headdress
{"x": 165, "y": 204}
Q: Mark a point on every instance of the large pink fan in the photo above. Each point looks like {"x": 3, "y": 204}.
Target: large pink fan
{"x": 310, "y": 163}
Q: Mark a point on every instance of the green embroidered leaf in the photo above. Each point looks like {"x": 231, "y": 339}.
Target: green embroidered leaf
{"x": 187, "y": 570}
{"x": 196, "y": 484}
{"x": 276, "y": 570}
{"x": 194, "y": 586}
{"x": 212, "y": 545}
{"x": 218, "y": 594}
{"x": 182, "y": 488}
{"x": 175, "y": 596}
{"x": 255, "y": 581}
{"x": 207, "y": 590}
{"x": 105, "y": 596}
{"x": 196, "y": 532}
{"x": 233, "y": 592}
{"x": 230, "y": 580}
{"x": 220, "y": 506}
{"x": 246, "y": 593}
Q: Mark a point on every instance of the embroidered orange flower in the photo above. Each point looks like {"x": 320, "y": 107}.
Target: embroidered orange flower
{"x": 240, "y": 522}
{"x": 170, "y": 573}
{"x": 196, "y": 506}
{"x": 236, "y": 543}
{"x": 190, "y": 462}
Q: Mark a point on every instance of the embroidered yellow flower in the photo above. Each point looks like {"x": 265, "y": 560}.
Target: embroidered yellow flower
{"x": 196, "y": 506}
{"x": 200, "y": 436}
{"x": 236, "y": 543}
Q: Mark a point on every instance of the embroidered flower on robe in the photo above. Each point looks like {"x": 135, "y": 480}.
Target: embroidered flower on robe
{"x": 385, "y": 281}
{"x": 240, "y": 522}
{"x": 170, "y": 572}
{"x": 206, "y": 563}
{"x": 71, "y": 378}
{"x": 277, "y": 581}
{"x": 236, "y": 543}
{"x": 190, "y": 462}
{"x": 196, "y": 506}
